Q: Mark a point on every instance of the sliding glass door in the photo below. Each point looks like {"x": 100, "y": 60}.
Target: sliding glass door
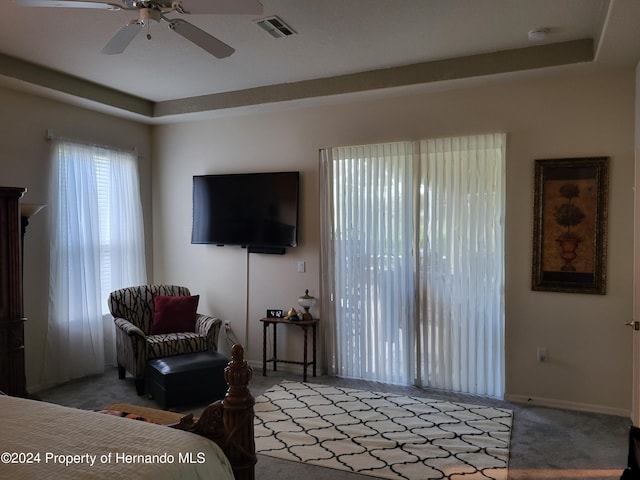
{"x": 413, "y": 253}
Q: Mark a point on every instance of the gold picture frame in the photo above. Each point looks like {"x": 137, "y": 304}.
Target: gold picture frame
{"x": 570, "y": 225}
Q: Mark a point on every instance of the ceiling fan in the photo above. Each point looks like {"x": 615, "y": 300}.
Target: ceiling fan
{"x": 155, "y": 11}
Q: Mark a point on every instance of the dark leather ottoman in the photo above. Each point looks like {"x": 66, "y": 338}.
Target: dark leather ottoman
{"x": 187, "y": 379}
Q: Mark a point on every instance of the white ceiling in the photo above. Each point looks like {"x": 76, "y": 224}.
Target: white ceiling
{"x": 334, "y": 37}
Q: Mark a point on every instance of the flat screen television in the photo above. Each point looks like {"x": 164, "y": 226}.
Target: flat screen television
{"x": 254, "y": 210}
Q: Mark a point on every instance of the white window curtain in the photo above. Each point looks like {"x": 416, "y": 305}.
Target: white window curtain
{"x": 413, "y": 249}
{"x": 97, "y": 245}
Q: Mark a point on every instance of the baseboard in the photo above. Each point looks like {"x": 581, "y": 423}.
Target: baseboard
{"x": 256, "y": 365}
{"x": 565, "y": 405}
{"x": 521, "y": 399}
{"x": 42, "y": 386}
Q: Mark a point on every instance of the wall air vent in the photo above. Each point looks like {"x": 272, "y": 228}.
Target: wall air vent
{"x": 275, "y": 27}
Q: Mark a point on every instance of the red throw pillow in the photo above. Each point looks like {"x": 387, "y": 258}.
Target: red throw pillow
{"x": 174, "y": 314}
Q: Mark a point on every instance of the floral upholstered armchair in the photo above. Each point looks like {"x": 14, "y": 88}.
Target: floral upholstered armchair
{"x": 155, "y": 321}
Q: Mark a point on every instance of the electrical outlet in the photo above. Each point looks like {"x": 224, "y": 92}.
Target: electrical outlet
{"x": 542, "y": 354}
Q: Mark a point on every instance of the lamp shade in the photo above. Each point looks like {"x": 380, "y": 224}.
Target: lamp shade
{"x": 28, "y": 210}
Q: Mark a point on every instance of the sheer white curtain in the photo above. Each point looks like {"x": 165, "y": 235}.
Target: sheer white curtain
{"x": 97, "y": 245}
{"x": 412, "y": 251}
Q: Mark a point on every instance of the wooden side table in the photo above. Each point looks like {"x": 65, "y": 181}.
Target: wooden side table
{"x": 305, "y": 325}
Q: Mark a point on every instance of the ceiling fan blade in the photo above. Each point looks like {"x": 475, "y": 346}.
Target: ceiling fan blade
{"x": 123, "y": 38}
{"x": 68, "y": 4}
{"x": 210, "y": 44}
{"x": 222, "y": 7}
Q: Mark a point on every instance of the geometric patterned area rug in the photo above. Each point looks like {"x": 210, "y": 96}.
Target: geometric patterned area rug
{"x": 381, "y": 434}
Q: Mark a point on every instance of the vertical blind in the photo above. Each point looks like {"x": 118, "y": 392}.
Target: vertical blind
{"x": 413, "y": 247}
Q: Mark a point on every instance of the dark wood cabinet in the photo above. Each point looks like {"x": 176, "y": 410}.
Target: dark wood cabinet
{"x": 12, "y": 370}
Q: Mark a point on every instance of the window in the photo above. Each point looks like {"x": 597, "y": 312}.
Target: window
{"x": 413, "y": 245}
{"x": 97, "y": 246}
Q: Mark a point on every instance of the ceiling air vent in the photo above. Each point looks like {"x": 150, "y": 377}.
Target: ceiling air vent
{"x": 275, "y": 27}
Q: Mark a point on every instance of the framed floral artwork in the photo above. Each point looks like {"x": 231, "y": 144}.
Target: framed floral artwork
{"x": 570, "y": 225}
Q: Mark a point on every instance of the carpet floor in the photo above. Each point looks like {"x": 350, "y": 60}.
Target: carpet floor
{"x": 383, "y": 435}
{"x": 546, "y": 443}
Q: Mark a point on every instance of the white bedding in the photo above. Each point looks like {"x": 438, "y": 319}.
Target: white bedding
{"x": 40, "y": 440}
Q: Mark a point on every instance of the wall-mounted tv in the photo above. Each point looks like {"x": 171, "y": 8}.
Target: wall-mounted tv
{"x": 254, "y": 210}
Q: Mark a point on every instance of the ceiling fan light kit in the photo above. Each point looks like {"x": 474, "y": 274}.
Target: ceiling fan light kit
{"x": 155, "y": 11}
{"x": 149, "y": 14}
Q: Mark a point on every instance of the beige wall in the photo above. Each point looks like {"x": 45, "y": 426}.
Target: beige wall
{"x": 635, "y": 405}
{"x": 24, "y": 162}
{"x": 589, "y": 364}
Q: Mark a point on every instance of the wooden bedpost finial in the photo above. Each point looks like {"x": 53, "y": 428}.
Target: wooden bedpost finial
{"x": 238, "y": 373}
{"x": 229, "y": 422}
{"x": 238, "y": 416}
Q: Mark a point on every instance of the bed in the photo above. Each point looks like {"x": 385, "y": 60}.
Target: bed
{"x": 41, "y": 440}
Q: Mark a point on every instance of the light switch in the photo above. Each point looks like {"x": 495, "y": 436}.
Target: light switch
{"x": 301, "y": 267}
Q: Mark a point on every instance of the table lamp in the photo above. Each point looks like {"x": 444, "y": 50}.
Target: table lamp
{"x": 306, "y": 301}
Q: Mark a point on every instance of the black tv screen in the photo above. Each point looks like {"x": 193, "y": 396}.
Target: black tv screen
{"x": 247, "y": 209}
